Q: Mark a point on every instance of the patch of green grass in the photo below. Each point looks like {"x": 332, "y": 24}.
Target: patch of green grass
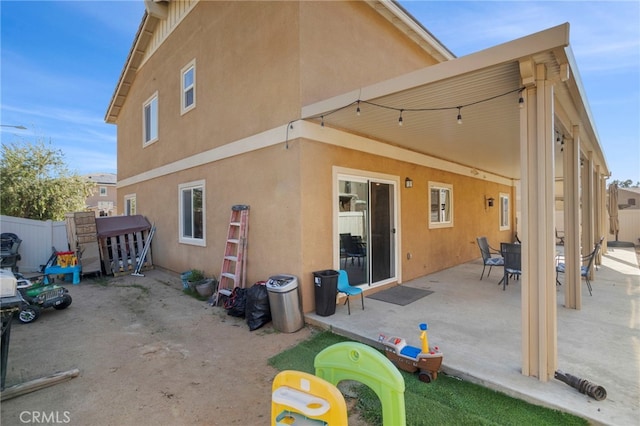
{"x": 194, "y": 294}
{"x": 445, "y": 401}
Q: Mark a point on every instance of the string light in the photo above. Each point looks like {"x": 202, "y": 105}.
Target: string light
{"x": 401, "y": 110}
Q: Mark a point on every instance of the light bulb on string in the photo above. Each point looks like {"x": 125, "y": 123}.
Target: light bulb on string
{"x": 358, "y": 109}
{"x": 400, "y": 118}
{"x": 521, "y": 101}
{"x": 322, "y": 121}
{"x": 459, "y": 115}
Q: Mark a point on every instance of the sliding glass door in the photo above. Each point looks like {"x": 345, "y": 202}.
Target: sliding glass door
{"x": 366, "y": 228}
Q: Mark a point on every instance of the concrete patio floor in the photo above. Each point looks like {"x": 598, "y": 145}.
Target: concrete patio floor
{"x": 477, "y": 326}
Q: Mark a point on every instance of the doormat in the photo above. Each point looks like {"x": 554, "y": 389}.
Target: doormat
{"x": 400, "y": 295}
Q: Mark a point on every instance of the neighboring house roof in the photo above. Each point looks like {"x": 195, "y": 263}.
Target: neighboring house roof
{"x": 103, "y": 178}
{"x": 156, "y": 10}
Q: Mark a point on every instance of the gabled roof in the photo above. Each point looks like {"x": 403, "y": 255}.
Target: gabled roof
{"x": 154, "y": 12}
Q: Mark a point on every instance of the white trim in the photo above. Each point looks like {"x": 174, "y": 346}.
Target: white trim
{"x": 365, "y": 175}
{"x": 439, "y": 185}
{"x": 127, "y": 199}
{"x": 502, "y": 195}
{"x": 190, "y": 66}
{"x": 186, "y": 240}
{"x": 146, "y": 103}
{"x": 307, "y": 130}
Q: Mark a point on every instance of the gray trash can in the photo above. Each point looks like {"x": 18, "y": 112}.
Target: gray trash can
{"x": 284, "y": 302}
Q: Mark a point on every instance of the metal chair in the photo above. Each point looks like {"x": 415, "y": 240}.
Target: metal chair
{"x": 487, "y": 259}
{"x": 584, "y": 269}
{"x": 351, "y": 246}
{"x": 346, "y": 288}
{"x": 9, "y": 246}
{"x": 512, "y": 254}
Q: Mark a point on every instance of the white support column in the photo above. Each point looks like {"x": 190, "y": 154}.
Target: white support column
{"x": 588, "y": 205}
{"x": 571, "y": 166}
{"x": 539, "y": 321}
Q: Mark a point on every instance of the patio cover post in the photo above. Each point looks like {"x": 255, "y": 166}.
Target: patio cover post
{"x": 539, "y": 321}
{"x": 588, "y": 207}
{"x": 571, "y": 166}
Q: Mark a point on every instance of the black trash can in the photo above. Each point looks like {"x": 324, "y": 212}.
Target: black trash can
{"x": 326, "y": 288}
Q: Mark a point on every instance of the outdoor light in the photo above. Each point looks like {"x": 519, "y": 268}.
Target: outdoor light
{"x": 489, "y": 201}
{"x": 400, "y": 119}
{"x": 408, "y": 183}
{"x": 459, "y": 115}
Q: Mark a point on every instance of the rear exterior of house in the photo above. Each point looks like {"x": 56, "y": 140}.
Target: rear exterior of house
{"x": 207, "y": 113}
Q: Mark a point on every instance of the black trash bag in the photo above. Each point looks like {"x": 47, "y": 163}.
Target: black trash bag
{"x": 258, "y": 311}
{"x": 236, "y": 303}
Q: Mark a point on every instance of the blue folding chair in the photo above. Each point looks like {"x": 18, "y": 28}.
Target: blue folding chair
{"x": 346, "y": 288}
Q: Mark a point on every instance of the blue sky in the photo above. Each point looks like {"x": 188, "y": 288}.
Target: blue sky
{"x": 61, "y": 62}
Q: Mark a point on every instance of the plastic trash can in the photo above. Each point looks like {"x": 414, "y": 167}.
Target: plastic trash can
{"x": 326, "y": 289}
{"x": 284, "y": 303}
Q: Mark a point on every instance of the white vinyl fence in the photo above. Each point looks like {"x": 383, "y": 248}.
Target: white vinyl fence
{"x": 38, "y": 238}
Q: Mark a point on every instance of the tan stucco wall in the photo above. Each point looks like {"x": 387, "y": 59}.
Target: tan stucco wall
{"x": 431, "y": 249}
{"x": 257, "y": 64}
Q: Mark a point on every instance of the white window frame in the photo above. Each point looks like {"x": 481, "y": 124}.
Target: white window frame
{"x": 152, "y": 105}
{"x": 130, "y": 203}
{"x": 184, "y": 88}
{"x": 103, "y": 191}
{"x": 442, "y": 221}
{"x": 189, "y": 239}
{"x": 505, "y": 211}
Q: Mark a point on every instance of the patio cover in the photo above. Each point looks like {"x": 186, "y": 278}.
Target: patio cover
{"x": 112, "y": 226}
{"x": 516, "y": 112}
{"x": 484, "y": 88}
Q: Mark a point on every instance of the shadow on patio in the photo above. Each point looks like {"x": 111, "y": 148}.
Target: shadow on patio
{"x": 477, "y": 326}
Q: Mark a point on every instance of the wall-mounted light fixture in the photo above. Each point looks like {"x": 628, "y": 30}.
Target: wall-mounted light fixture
{"x": 408, "y": 183}
{"x": 488, "y": 201}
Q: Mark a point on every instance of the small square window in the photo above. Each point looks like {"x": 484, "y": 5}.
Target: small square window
{"x": 440, "y": 205}
{"x": 103, "y": 191}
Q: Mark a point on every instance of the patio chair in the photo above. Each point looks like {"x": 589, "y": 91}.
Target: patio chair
{"x": 584, "y": 269}
{"x": 9, "y": 246}
{"x": 352, "y": 247}
{"x": 346, "y": 288}
{"x": 487, "y": 259}
{"x": 512, "y": 254}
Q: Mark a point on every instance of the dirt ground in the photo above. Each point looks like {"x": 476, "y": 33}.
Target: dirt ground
{"x": 147, "y": 355}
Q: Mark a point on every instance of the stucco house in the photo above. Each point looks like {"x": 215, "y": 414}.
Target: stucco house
{"x": 337, "y": 117}
{"x": 104, "y": 200}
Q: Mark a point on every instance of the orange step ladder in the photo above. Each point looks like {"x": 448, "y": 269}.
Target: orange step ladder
{"x": 234, "y": 263}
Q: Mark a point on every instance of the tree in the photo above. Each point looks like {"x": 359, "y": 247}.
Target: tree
{"x": 36, "y": 184}
{"x": 626, "y": 184}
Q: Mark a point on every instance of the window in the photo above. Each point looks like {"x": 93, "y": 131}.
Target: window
{"x": 103, "y": 191}
{"x": 504, "y": 212}
{"x": 150, "y": 120}
{"x": 440, "y": 205}
{"x": 188, "y": 87}
{"x": 130, "y": 204}
{"x": 191, "y": 215}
